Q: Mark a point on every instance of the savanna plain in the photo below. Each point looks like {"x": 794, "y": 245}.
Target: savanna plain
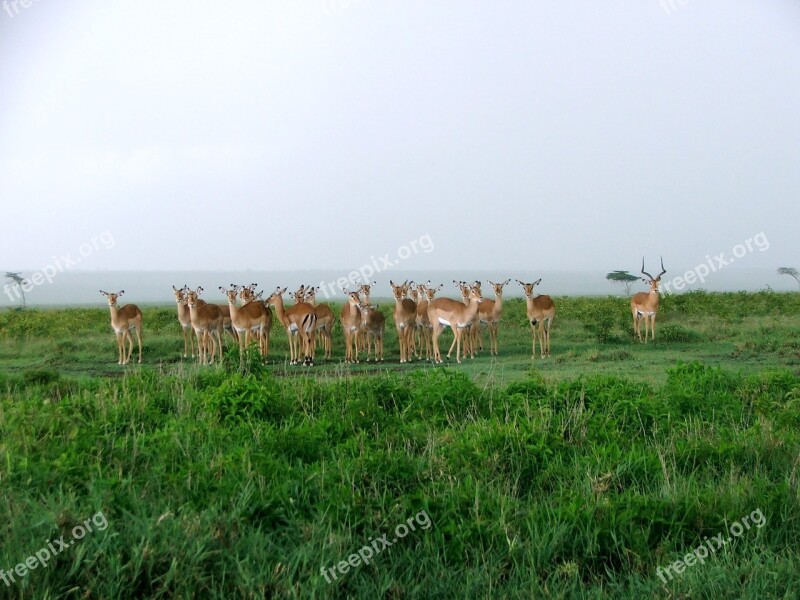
{"x": 575, "y": 476}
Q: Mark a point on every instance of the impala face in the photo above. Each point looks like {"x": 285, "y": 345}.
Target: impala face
{"x": 528, "y": 287}
{"x": 431, "y": 292}
{"x": 112, "y": 298}
{"x": 398, "y": 289}
{"x": 180, "y": 294}
{"x": 653, "y": 281}
{"x": 498, "y": 287}
{"x": 365, "y": 288}
{"x": 474, "y": 293}
{"x": 191, "y": 297}
{"x": 278, "y": 293}
{"x": 353, "y": 298}
{"x": 300, "y": 295}
{"x": 231, "y": 294}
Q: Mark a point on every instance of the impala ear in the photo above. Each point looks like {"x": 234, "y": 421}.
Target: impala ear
{"x": 119, "y": 293}
{"x": 104, "y": 293}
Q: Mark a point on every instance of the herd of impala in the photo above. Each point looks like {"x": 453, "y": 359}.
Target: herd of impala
{"x": 419, "y": 317}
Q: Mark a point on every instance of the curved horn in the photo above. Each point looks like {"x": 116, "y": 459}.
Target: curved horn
{"x": 645, "y": 272}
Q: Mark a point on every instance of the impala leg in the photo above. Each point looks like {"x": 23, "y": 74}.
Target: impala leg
{"x": 546, "y": 333}
{"x": 401, "y": 341}
{"x": 129, "y": 338}
{"x": 542, "y": 348}
{"x": 637, "y": 325}
{"x": 118, "y": 336}
{"x": 139, "y": 339}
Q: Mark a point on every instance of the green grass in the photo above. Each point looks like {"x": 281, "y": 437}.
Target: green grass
{"x": 574, "y": 476}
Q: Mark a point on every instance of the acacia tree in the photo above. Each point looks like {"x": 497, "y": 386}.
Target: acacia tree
{"x": 791, "y": 272}
{"x": 15, "y": 279}
{"x": 624, "y": 278}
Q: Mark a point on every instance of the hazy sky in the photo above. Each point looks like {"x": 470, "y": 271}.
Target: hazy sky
{"x": 297, "y": 134}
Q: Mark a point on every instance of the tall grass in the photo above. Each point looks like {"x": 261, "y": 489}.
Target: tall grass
{"x": 576, "y": 478}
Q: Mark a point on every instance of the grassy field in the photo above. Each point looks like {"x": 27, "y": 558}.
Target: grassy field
{"x": 575, "y": 476}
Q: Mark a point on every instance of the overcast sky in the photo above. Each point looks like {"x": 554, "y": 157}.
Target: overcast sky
{"x": 315, "y": 134}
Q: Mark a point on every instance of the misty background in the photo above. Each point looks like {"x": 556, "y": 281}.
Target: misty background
{"x": 295, "y": 141}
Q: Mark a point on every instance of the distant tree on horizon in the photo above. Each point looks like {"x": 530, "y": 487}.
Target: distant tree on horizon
{"x": 624, "y": 278}
{"x": 17, "y": 280}
{"x": 791, "y": 272}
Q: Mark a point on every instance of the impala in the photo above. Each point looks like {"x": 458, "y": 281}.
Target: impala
{"x": 351, "y": 324}
{"x": 425, "y": 295}
{"x": 184, "y": 319}
{"x": 122, "y": 321}
{"x": 373, "y": 323}
{"x": 644, "y": 305}
{"x": 445, "y": 312}
{"x": 489, "y": 314}
{"x": 299, "y": 321}
{"x": 541, "y": 312}
{"x": 325, "y": 319}
{"x": 414, "y": 293}
{"x": 207, "y": 323}
{"x": 250, "y": 318}
{"x": 469, "y": 346}
{"x": 247, "y": 295}
{"x": 365, "y": 290}
{"x": 405, "y": 319}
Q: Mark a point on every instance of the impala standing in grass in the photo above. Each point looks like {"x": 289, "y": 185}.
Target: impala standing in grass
{"x": 644, "y": 305}
{"x": 423, "y": 323}
{"x": 207, "y": 324}
{"x": 300, "y": 322}
{"x": 373, "y": 324}
{"x": 247, "y": 295}
{"x": 252, "y": 318}
{"x": 489, "y": 315}
{"x": 405, "y": 319}
{"x": 541, "y": 312}
{"x": 185, "y": 320}
{"x": 351, "y": 325}
{"x": 445, "y": 312}
{"x": 122, "y": 321}
{"x": 325, "y": 320}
